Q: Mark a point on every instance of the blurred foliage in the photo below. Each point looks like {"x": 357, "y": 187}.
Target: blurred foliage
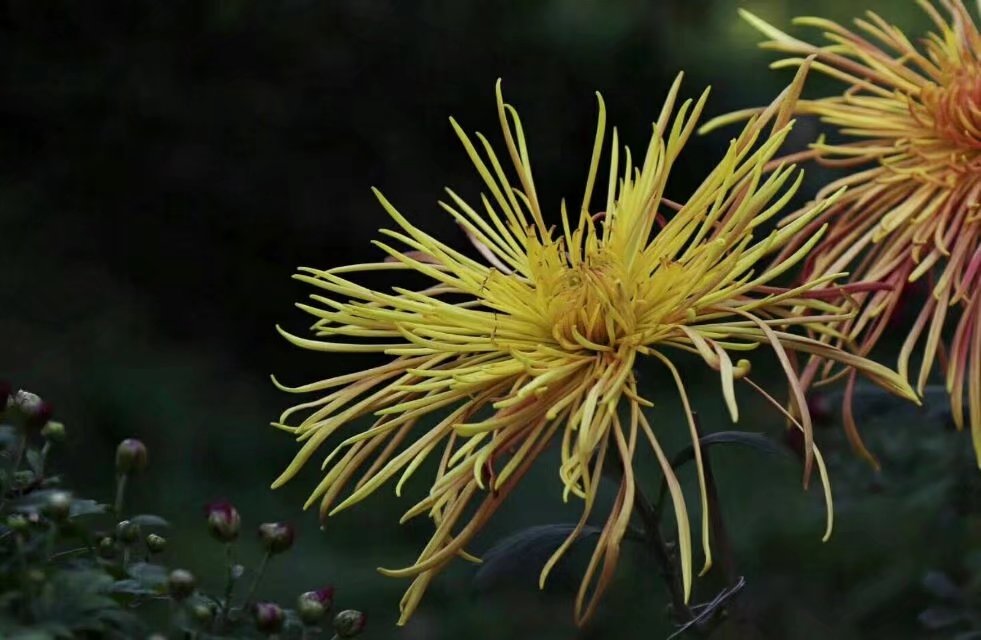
{"x": 164, "y": 167}
{"x": 71, "y": 568}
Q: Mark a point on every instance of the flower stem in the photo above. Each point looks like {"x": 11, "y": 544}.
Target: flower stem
{"x": 117, "y": 508}
{"x": 255, "y": 581}
{"x": 651, "y": 519}
{"x": 229, "y": 584}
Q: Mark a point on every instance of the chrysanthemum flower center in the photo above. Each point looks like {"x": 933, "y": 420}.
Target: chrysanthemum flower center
{"x": 591, "y": 304}
{"x": 956, "y": 107}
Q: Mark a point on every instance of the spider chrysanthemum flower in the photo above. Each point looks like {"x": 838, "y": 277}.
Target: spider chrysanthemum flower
{"x": 910, "y": 122}
{"x": 537, "y": 341}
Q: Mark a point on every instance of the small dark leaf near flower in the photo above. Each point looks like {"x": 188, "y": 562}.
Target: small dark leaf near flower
{"x": 518, "y": 559}
{"x": 757, "y": 441}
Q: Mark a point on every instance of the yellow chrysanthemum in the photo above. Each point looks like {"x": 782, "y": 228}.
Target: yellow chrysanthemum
{"x": 911, "y": 119}
{"x": 494, "y": 361}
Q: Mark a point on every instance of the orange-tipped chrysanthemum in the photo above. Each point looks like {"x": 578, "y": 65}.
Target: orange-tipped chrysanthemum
{"x": 536, "y": 342}
{"x": 910, "y": 122}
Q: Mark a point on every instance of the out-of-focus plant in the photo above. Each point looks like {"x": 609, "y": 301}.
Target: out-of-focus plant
{"x": 908, "y": 121}
{"x": 75, "y": 567}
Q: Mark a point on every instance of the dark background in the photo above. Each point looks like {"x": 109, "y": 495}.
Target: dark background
{"x": 164, "y": 168}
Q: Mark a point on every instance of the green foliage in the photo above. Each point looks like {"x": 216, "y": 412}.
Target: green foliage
{"x": 70, "y": 567}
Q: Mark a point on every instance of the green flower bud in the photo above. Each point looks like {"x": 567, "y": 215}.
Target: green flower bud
{"x": 180, "y": 584}
{"x": 131, "y": 456}
{"x": 203, "y": 613}
{"x": 127, "y": 532}
{"x": 59, "y": 506}
{"x": 53, "y": 431}
{"x": 312, "y": 606}
{"x": 276, "y": 537}
{"x": 155, "y": 543}
{"x": 17, "y": 522}
{"x": 107, "y": 548}
{"x": 349, "y": 623}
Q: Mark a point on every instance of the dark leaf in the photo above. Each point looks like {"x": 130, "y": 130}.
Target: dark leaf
{"x": 940, "y": 585}
{"x": 85, "y": 507}
{"x": 518, "y": 559}
{"x": 940, "y": 617}
{"x": 149, "y": 520}
{"x": 757, "y": 441}
{"x": 148, "y": 575}
{"x": 133, "y": 588}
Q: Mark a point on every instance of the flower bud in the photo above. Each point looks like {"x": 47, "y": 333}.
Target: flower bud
{"x": 314, "y": 605}
{"x": 127, "y": 532}
{"x": 53, "y": 431}
{"x": 35, "y": 411}
{"x": 130, "y": 456}
{"x": 276, "y": 537}
{"x": 820, "y": 408}
{"x": 224, "y": 521}
{"x": 349, "y": 623}
{"x": 181, "y": 584}
{"x": 107, "y": 548}
{"x": 203, "y": 613}
{"x": 58, "y": 506}
{"x": 269, "y": 617}
{"x": 155, "y": 543}
{"x": 17, "y": 522}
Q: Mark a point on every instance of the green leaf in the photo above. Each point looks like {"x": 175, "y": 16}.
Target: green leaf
{"x": 149, "y": 520}
{"x": 940, "y": 617}
{"x": 940, "y": 585}
{"x": 518, "y": 559}
{"x": 147, "y": 574}
{"x": 750, "y": 439}
{"x": 35, "y": 462}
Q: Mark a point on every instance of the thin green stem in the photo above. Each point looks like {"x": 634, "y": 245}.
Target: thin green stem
{"x": 117, "y": 507}
{"x": 229, "y": 584}
{"x": 45, "y": 450}
{"x": 255, "y": 581}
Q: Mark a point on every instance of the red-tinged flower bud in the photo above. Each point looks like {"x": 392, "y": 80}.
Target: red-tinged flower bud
{"x": 35, "y": 411}
{"x": 349, "y": 623}
{"x": 794, "y": 439}
{"x": 224, "y": 521}
{"x": 820, "y": 407}
{"x": 269, "y": 617}
{"x": 180, "y": 584}
{"x": 314, "y": 605}
{"x": 276, "y": 537}
{"x": 131, "y": 456}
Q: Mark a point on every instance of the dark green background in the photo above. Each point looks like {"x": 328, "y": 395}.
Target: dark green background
{"x": 164, "y": 167}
